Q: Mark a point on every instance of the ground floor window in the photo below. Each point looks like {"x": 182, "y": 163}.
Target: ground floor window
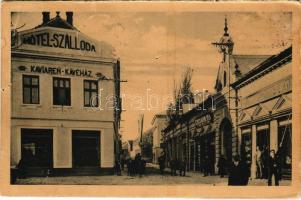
{"x": 86, "y": 148}
{"x": 246, "y": 147}
{"x": 263, "y": 137}
{"x": 36, "y": 147}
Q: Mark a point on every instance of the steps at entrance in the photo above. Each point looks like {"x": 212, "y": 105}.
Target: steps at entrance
{"x": 84, "y": 171}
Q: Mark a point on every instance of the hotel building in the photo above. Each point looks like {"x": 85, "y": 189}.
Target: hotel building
{"x": 65, "y": 96}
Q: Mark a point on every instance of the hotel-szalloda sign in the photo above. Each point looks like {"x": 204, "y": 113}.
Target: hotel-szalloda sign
{"x": 58, "y": 40}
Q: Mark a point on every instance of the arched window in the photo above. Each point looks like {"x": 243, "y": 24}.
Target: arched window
{"x": 225, "y": 78}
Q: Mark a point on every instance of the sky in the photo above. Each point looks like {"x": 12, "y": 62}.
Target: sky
{"x": 156, "y": 47}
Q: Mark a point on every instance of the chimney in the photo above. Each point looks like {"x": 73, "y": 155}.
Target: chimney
{"x": 46, "y": 17}
{"x": 69, "y": 16}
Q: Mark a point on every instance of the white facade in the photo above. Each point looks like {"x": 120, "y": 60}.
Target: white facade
{"x": 159, "y": 123}
{"x": 36, "y": 53}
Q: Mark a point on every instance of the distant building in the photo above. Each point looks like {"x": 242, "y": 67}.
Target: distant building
{"x": 159, "y": 123}
{"x": 140, "y": 145}
{"x": 59, "y": 119}
{"x": 134, "y": 147}
{"x": 147, "y": 145}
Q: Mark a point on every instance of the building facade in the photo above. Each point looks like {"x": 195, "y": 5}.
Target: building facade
{"x": 251, "y": 107}
{"x": 158, "y": 124}
{"x": 265, "y": 110}
{"x": 65, "y": 112}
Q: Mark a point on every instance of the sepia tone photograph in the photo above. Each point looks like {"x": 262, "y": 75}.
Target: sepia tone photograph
{"x": 172, "y": 97}
{"x": 151, "y": 98}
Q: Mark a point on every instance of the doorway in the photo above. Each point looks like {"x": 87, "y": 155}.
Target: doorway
{"x": 226, "y": 140}
{"x": 85, "y": 148}
{"x": 36, "y": 147}
{"x": 263, "y": 139}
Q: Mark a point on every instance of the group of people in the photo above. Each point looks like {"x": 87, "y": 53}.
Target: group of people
{"x": 239, "y": 171}
{"x": 268, "y": 166}
{"x": 136, "y": 165}
{"x": 175, "y": 165}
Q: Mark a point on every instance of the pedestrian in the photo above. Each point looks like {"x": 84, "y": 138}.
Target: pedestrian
{"x": 259, "y": 163}
{"x": 122, "y": 161}
{"x": 265, "y": 161}
{"x": 221, "y": 166}
{"x": 238, "y": 173}
{"x": 173, "y": 167}
{"x": 161, "y": 161}
{"x": 273, "y": 169}
{"x": 138, "y": 164}
{"x": 117, "y": 167}
{"x": 182, "y": 167}
{"x": 129, "y": 166}
{"x": 206, "y": 165}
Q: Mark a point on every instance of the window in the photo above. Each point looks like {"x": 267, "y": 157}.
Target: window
{"x": 90, "y": 93}
{"x": 61, "y": 91}
{"x": 31, "y": 89}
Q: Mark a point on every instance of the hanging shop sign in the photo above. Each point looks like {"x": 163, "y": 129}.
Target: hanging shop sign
{"x": 58, "y": 40}
{"x": 203, "y": 120}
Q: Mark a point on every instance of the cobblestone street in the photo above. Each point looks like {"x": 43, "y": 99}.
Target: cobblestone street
{"x": 152, "y": 177}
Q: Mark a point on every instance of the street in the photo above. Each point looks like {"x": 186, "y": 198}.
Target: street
{"x": 152, "y": 177}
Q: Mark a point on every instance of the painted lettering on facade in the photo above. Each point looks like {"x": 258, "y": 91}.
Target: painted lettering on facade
{"x": 58, "y": 40}
{"x": 60, "y": 71}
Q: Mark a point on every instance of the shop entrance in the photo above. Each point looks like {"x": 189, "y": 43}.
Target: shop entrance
{"x": 207, "y": 152}
{"x": 263, "y": 139}
{"x": 86, "y": 148}
{"x": 226, "y": 140}
{"x": 36, "y": 148}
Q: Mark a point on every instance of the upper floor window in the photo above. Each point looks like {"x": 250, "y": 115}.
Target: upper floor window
{"x": 31, "y": 89}
{"x": 90, "y": 93}
{"x": 61, "y": 91}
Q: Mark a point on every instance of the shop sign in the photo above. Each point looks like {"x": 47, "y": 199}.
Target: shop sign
{"x": 58, "y": 40}
{"x": 203, "y": 120}
{"x": 66, "y": 71}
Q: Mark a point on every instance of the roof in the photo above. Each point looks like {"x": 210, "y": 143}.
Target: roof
{"x": 245, "y": 63}
{"x": 240, "y": 65}
{"x": 57, "y": 22}
{"x": 262, "y": 67}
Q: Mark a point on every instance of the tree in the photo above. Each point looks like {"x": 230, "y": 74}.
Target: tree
{"x": 182, "y": 95}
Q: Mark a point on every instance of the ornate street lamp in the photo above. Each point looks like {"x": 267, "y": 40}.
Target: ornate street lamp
{"x": 225, "y": 44}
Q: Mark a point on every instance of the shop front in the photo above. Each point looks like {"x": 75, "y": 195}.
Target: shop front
{"x": 85, "y": 148}
{"x": 36, "y": 148}
{"x": 264, "y": 116}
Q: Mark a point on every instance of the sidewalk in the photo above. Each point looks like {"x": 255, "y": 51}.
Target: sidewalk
{"x": 218, "y": 181}
{"x": 152, "y": 177}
